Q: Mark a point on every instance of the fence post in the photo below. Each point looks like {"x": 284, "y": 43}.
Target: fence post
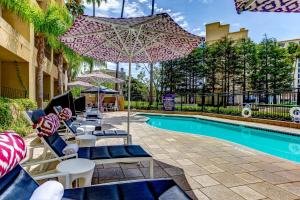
{"x": 218, "y": 102}
{"x": 203, "y": 102}
{"x": 298, "y": 96}
{"x": 181, "y": 102}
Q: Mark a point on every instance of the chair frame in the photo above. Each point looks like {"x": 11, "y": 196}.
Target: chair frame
{"x": 108, "y": 161}
{"x": 127, "y": 138}
{"x": 99, "y": 161}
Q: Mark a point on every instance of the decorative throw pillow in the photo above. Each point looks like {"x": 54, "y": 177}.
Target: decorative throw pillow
{"x": 65, "y": 114}
{"x": 48, "y": 125}
{"x": 12, "y": 151}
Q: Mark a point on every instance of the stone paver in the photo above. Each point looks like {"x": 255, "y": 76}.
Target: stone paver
{"x": 273, "y": 192}
{"x": 228, "y": 179}
{"x": 206, "y": 180}
{"x": 220, "y": 192}
{"x": 206, "y": 168}
{"x": 291, "y": 187}
{"x": 247, "y": 193}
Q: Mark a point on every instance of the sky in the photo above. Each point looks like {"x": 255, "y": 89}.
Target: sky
{"x": 192, "y": 15}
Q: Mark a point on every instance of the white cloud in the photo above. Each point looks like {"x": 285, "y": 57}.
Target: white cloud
{"x": 134, "y": 9}
{"x": 113, "y": 7}
{"x": 206, "y": 1}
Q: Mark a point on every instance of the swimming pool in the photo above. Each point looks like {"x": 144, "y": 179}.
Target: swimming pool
{"x": 274, "y": 143}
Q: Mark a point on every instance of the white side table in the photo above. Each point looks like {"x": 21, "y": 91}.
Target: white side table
{"x": 87, "y": 128}
{"x": 86, "y": 140}
{"x": 77, "y": 168}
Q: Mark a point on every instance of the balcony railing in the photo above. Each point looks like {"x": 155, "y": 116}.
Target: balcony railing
{"x": 13, "y": 93}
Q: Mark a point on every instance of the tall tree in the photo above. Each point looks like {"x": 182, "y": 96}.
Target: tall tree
{"x": 247, "y": 61}
{"x": 75, "y": 7}
{"x": 51, "y": 23}
{"x": 94, "y": 2}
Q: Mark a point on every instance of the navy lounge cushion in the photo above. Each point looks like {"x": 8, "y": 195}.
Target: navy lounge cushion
{"x": 138, "y": 190}
{"x": 56, "y": 143}
{"x": 36, "y": 114}
{"x": 110, "y": 152}
{"x": 99, "y": 152}
{"x": 110, "y": 133}
{"x": 17, "y": 184}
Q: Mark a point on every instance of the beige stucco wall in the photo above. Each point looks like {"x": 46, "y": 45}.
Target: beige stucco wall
{"x": 9, "y": 75}
{"x": 17, "y": 44}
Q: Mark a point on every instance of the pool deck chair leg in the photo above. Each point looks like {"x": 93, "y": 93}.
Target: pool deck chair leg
{"x": 151, "y": 168}
{"x": 44, "y": 155}
{"x": 129, "y": 139}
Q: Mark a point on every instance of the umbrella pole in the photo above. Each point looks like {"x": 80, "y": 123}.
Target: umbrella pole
{"x": 98, "y": 98}
{"x": 129, "y": 90}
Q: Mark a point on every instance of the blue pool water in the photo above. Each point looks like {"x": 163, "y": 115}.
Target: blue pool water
{"x": 274, "y": 143}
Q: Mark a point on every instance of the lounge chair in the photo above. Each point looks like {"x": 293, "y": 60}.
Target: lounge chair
{"x": 100, "y": 134}
{"x": 18, "y": 184}
{"x": 99, "y": 154}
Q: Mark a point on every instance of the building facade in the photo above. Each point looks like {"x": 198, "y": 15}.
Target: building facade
{"x": 296, "y": 64}
{"x": 217, "y": 31}
{"x": 18, "y": 58}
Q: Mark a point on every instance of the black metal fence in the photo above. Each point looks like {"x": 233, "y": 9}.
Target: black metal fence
{"x": 267, "y": 105}
{"x": 13, "y": 93}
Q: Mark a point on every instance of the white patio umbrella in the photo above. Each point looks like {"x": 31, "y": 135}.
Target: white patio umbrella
{"x": 98, "y": 77}
{"x": 80, "y": 84}
{"x": 147, "y": 39}
{"x": 288, "y": 6}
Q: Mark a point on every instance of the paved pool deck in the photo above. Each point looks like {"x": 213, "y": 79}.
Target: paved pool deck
{"x": 206, "y": 168}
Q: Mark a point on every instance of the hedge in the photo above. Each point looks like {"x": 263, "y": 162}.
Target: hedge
{"x": 11, "y": 117}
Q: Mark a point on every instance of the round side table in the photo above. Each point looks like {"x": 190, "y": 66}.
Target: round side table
{"x": 86, "y": 140}
{"x": 77, "y": 168}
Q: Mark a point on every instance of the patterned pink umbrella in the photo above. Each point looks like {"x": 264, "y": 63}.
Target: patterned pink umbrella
{"x": 131, "y": 40}
{"x": 288, "y": 6}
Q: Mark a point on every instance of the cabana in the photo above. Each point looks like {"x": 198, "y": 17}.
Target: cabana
{"x": 108, "y": 99}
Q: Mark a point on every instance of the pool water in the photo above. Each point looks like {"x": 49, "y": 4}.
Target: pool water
{"x": 274, "y": 143}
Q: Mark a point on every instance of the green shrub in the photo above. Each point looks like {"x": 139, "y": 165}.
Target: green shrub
{"x": 11, "y": 116}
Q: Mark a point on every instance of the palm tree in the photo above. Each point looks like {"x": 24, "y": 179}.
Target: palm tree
{"x": 94, "y": 4}
{"x": 75, "y": 7}
{"x": 51, "y": 23}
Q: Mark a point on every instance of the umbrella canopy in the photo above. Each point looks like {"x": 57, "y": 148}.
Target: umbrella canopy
{"x": 100, "y": 90}
{"x": 80, "y": 84}
{"x": 147, "y": 39}
{"x": 98, "y": 77}
{"x": 137, "y": 40}
{"x": 289, "y": 6}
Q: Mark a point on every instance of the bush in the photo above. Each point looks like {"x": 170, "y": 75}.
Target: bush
{"x": 11, "y": 116}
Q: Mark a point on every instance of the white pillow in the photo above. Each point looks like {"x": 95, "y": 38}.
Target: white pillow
{"x": 174, "y": 193}
{"x": 50, "y": 190}
{"x": 70, "y": 149}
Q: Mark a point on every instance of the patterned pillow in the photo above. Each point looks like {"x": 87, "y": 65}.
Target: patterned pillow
{"x": 48, "y": 125}
{"x": 12, "y": 151}
{"x": 65, "y": 114}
